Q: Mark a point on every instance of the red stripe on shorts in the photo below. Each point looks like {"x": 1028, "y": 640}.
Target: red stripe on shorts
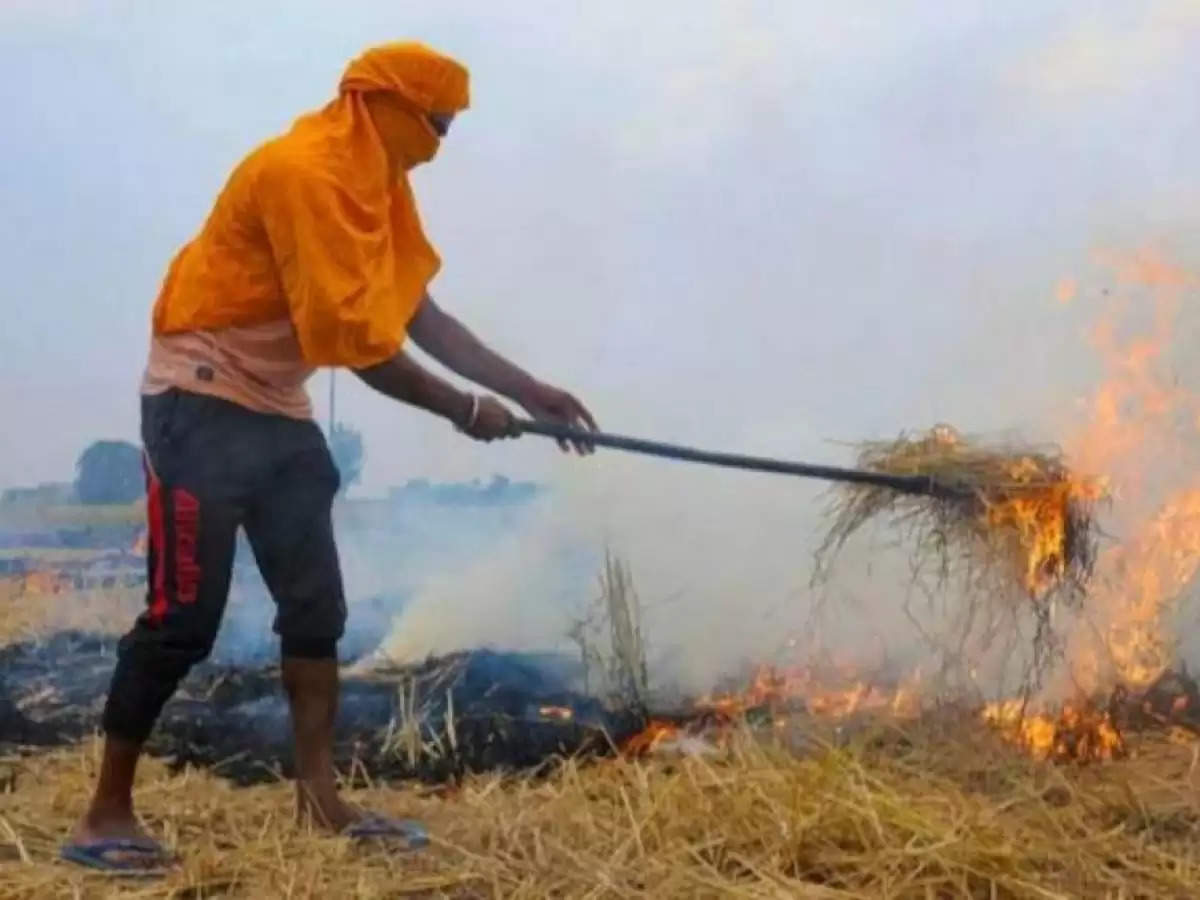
{"x": 158, "y": 545}
{"x": 187, "y": 527}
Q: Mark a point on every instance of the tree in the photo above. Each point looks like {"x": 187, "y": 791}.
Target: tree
{"x": 109, "y": 472}
{"x": 346, "y": 445}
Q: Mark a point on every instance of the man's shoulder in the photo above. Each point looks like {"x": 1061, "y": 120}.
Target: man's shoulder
{"x": 274, "y": 160}
{"x": 286, "y": 163}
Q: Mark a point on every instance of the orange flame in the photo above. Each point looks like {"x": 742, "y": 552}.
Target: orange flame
{"x": 645, "y": 742}
{"x": 1142, "y": 429}
{"x": 1079, "y": 732}
{"x": 1039, "y": 517}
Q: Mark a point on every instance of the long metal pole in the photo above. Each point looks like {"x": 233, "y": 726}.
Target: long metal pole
{"x": 907, "y": 484}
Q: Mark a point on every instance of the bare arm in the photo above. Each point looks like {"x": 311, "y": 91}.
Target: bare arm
{"x": 403, "y": 379}
{"x": 453, "y": 345}
{"x": 483, "y": 418}
{"x": 450, "y": 342}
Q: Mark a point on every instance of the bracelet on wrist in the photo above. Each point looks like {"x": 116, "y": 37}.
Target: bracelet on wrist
{"x": 472, "y": 414}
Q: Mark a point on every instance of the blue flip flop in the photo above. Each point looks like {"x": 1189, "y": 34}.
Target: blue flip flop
{"x": 408, "y": 832}
{"x": 148, "y": 857}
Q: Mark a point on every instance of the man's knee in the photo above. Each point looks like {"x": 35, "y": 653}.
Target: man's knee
{"x": 148, "y": 671}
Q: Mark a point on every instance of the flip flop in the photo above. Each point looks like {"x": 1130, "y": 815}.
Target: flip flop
{"x": 100, "y": 855}
{"x": 409, "y": 832}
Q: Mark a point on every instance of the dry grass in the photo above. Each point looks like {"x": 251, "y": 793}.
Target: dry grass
{"x": 610, "y": 639}
{"x": 930, "y": 817}
{"x": 1026, "y": 518}
{"x": 1009, "y": 534}
{"x": 936, "y": 812}
{"x": 25, "y": 615}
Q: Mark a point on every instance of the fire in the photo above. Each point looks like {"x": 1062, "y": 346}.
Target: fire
{"x": 1040, "y": 515}
{"x": 1141, "y": 433}
{"x": 1025, "y": 510}
{"x": 834, "y": 694}
{"x": 649, "y": 739}
{"x": 1142, "y": 429}
{"x": 1077, "y": 732}
{"x": 775, "y": 694}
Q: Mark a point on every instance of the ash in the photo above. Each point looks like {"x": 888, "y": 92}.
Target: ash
{"x": 477, "y": 710}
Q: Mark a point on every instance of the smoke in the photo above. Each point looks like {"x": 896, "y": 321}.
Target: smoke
{"x": 721, "y": 562}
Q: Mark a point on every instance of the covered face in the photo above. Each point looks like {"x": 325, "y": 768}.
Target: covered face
{"x": 411, "y": 92}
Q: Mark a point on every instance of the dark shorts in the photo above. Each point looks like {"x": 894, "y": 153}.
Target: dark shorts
{"x": 211, "y": 467}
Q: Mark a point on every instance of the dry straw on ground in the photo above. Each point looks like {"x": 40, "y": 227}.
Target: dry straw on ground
{"x": 894, "y": 817}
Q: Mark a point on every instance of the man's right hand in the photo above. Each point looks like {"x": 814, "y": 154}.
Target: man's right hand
{"x": 487, "y": 419}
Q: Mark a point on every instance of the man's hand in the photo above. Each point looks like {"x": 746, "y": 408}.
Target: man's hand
{"x": 449, "y": 342}
{"x": 488, "y": 419}
{"x": 551, "y": 404}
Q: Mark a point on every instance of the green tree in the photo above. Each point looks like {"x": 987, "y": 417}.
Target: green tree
{"x": 346, "y": 445}
{"x": 109, "y": 472}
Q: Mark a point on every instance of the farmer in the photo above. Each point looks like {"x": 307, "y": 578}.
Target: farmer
{"x": 313, "y": 256}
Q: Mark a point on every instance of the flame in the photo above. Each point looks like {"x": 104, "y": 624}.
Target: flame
{"x": 649, "y": 739}
{"x": 1038, "y": 514}
{"x": 1033, "y": 512}
{"x": 558, "y": 713}
{"x": 835, "y": 694}
{"x": 1078, "y": 732}
{"x": 1141, "y": 428}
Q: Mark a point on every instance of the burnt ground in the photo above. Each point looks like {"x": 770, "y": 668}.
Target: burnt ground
{"x": 479, "y": 710}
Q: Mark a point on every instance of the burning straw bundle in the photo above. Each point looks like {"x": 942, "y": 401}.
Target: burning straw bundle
{"x": 992, "y": 514}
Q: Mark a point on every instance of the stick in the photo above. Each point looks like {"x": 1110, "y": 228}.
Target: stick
{"x": 906, "y": 484}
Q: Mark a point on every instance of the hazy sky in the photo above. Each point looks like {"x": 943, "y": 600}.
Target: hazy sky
{"x": 754, "y": 225}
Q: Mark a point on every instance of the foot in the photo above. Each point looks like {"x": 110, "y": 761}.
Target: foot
{"x": 103, "y": 825}
{"x": 114, "y": 840}
{"x": 324, "y": 808}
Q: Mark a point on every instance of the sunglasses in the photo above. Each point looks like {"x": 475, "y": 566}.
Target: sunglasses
{"x": 440, "y": 122}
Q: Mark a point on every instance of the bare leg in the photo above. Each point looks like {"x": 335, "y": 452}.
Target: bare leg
{"x": 312, "y": 689}
{"x": 110, "y": 814}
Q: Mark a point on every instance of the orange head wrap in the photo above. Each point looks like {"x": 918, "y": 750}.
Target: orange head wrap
{"x": 336, "y": 243}
{"x": 421, "y": 82}
{"x": 429, "y": 81}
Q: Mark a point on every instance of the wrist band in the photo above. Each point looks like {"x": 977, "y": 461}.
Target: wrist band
{"x": 473, "y": 415}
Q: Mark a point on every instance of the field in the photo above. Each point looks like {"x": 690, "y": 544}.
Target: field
{"x": 938, "y": 818}
{"x": 941, "y": 808}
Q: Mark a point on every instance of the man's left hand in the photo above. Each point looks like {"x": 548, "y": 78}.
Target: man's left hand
{"x": 550, "y": 404}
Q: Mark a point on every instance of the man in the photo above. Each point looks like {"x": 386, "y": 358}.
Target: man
{"x": 312, "y": 256}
